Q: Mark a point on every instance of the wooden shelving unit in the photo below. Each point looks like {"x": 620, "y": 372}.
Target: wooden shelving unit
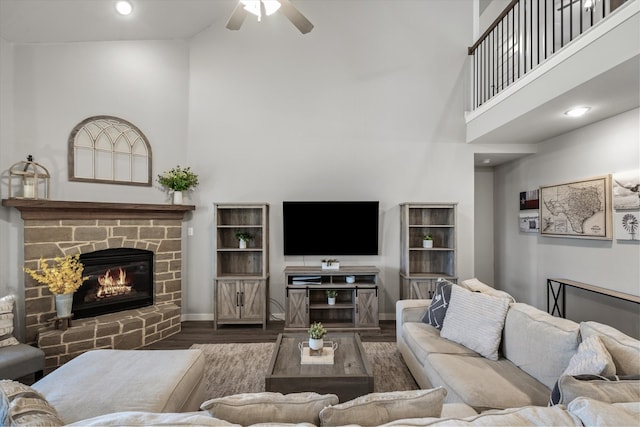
{"x": 241, "y": 275}
{"x": 421, "y": 267}
{"x": 356, "y": 306}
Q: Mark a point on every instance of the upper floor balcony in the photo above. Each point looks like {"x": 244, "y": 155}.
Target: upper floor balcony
{"x": 540, "y": 58}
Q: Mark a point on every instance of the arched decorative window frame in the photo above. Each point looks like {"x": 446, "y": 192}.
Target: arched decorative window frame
{"x": 73, "y": 159}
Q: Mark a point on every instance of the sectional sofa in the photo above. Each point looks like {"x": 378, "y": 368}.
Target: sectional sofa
{"x": 518, "y": 359}
{"x": 493, "y": 353}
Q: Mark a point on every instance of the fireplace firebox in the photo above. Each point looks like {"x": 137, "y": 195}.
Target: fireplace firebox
{"x": 118, "y": 279}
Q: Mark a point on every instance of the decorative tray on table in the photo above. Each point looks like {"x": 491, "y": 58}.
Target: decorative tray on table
{"x": 324, "y": 356}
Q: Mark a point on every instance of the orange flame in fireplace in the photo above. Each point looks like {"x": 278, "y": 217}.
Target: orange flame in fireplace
{"x": 111, "y": 286}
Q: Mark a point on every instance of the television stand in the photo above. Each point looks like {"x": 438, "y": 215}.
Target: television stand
{"x": 356, "y": 304}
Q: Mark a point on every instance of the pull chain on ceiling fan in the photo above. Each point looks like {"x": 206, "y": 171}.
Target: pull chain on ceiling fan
{"x": 262, "y": 8}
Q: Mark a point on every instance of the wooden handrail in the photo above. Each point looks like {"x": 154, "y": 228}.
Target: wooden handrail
{"x": 495, "y": 23}
{"x": 524, "y": 35}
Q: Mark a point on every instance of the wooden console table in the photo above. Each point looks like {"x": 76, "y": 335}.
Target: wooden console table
{"x": 560, "y": 293}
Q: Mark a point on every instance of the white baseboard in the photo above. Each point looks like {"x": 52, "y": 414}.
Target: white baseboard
{"x": 203, "y": 317}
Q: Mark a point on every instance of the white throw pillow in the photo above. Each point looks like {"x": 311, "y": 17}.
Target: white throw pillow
{"x": 624, "y": 350}
{"x": 595, "y": 413}
{"x": 475, "y": 320}
{"x": 6, "y": 321}
{"x": 591, "y": 358}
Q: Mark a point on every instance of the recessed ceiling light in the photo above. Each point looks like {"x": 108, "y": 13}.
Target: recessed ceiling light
{"x": 124, "y": 7}
{"x": 577, "y": 111}
{"x": 486, "y": 161}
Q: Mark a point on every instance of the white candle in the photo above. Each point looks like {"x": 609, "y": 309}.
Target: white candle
{"x": 27, "y": 189}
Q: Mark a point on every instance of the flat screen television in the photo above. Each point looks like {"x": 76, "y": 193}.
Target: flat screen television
{"x": 330, "y": 228}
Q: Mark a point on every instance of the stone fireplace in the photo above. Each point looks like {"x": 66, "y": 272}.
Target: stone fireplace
{"x": 58, "y": 228}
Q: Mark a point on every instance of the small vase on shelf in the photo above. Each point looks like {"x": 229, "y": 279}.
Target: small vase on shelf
{"x": 64, "y": 302}
{"x": 177, "y": 197}
{"x": 316, "y": 344}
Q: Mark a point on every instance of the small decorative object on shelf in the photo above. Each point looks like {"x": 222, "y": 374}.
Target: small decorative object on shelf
{"x": 63, "y": 280}
{"x": 330, "y": 264}
{"x": 31, "y": 180}
{"x": 243, "y": 238}
{"x": 427, "y": 241}
{"x": 316, "y": 335}
{"x": 178, "y": 180}
{"x": 350, "y": 279}
{"x": 331, "y": 296}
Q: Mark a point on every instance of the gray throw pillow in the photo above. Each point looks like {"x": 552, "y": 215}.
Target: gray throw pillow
{"x": 270, "y": 407}
{"x": 374, "y": 409}
{"x": 439, "y": 304}
{"x": 612, "y": 389}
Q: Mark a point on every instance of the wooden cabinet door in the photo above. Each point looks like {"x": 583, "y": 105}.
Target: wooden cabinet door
{"x": 297, "y": 309}
{"x": 366, "y": 308}
{"x": 423, "y": 288}
{"x": 227, "y": 300}
{"x": 252, "y": 300}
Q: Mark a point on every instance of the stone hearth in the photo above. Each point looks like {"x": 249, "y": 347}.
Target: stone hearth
{"x": 57, "y": 228}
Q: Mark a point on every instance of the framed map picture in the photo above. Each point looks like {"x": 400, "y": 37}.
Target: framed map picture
{"x": 579, "y": 209}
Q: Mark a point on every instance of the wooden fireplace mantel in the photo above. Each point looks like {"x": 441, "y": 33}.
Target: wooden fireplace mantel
{"x": 59, "y": 209}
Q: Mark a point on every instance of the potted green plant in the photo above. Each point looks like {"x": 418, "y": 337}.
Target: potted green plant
{"x": 178, "y": 180}
{"x": 316, "y": 335}
{"x": 331, "y": 296}
{"x": 427, "y": 241}
{"x": 243, "y": 237}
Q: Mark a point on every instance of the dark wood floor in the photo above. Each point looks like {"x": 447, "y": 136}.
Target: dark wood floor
{"x": 203, "y": 333}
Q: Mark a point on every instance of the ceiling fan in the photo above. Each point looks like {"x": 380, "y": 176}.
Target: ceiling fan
{"x": 262, "y": 8}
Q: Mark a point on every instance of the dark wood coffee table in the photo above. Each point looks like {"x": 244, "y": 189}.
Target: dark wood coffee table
{"x": 350, "y": 375}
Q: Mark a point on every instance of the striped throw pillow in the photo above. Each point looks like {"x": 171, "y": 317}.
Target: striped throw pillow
{"x": 6, "y": 321}
{"x": 475, "y": 320}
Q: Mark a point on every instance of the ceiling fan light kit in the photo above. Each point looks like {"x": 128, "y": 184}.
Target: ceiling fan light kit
{"x": 262, "y": 8}
{"x": 255, "y": 7}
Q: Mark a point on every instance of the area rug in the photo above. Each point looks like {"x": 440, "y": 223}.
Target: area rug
{"x": 241, "y": 368}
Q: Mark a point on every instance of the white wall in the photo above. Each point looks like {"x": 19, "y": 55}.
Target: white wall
{"x": 47, "y": 89}
{"x": 361, "y": 108}
{"x": 59, "y": 85}
{"x": 483, "y": 225}
{"x": 524, "y": 261}
{"x": 491, "y": 12}
{"x": 9, "y": 257}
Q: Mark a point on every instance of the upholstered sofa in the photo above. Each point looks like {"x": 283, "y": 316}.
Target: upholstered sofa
{"x": 107, "y": 388}
{"x": 533, "y": 349}
{"x": 165, "y": 387}
{"x": 22, "y": 406}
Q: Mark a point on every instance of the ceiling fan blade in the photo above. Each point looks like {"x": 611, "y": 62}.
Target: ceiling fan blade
{"x": 296, "y": 18}
{"x": 237, "y": 17}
